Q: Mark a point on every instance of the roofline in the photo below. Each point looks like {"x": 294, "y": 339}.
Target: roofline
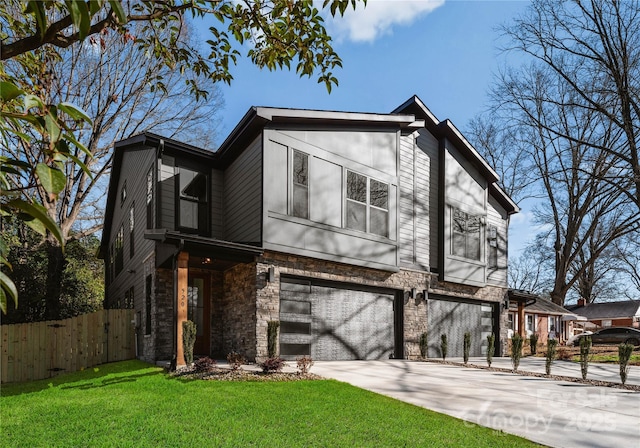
{"x": 504, "y": 199}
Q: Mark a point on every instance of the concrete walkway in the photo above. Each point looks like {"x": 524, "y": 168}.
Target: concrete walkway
{"x": 553, "y": 413}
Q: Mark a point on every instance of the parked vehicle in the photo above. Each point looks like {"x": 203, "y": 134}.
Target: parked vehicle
{"x": 613, "y": 335}
{"x": 572, "y": 340}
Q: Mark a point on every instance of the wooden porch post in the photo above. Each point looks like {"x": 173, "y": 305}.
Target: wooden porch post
{"x": 521, "y": 322}
{"x": 183, "y": 284}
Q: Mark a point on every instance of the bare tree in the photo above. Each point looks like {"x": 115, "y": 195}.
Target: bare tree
{"x": 112, "y": 80}
{"x": 626, "y": 259}
{"x": 531, "y": 270}
{"x": 592, "y": 48}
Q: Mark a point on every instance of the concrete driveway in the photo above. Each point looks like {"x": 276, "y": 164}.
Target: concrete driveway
{"x": 554, "y": 413}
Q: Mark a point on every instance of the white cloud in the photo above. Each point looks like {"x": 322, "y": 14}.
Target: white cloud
{"x": 379, "y": 17}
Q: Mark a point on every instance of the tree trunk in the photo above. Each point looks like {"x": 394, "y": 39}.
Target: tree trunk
{"x": 56, "y": 262}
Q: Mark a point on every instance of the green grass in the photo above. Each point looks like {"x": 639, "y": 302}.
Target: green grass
{"x": 133, "y": 404}
{"x": 609, "y": 359}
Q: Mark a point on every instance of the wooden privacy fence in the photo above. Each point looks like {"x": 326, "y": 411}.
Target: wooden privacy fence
{"x": 40, "y": 350}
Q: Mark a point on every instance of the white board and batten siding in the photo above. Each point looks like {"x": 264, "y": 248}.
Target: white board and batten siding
{"x": 418, "y": 200}
{"x": 324, "y": 235}
{"x": 243, "y": 195}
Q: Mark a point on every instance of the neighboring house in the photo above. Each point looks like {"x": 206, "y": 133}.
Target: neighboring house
{"x": 609, "y": 314}
{"x": 357, "y": 231}
{"x": 542, "y": 317}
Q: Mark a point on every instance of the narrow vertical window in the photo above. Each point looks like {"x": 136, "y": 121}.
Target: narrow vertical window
{"x": 147, "y": 304}
{"x": 128, "y": 298}
{"x": 493, "y": 247}
{"x": 150, "y": 199}
{"x": 119, "y": 250}
{"x": 131, "y": 228}
{"x": 300, "y": 188}
{"x": 123, "y": 193}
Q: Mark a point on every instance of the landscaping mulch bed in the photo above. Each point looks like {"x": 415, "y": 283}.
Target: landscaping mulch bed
{"x": 572, "y": 379}
{"x": 220, "y": 374}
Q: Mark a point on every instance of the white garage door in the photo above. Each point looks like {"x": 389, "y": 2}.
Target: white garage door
{"x": 330, "y": 323}
{"x": 454, "y": 319}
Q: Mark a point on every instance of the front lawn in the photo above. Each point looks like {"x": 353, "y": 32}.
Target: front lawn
{"x": 133, "y": 404}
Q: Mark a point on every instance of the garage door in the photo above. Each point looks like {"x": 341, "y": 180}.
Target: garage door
{"x": 333, "y": 323}
{"x": 454, "y": 319}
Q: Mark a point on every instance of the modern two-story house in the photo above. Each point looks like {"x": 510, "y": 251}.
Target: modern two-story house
{"x": 358, "y": 232}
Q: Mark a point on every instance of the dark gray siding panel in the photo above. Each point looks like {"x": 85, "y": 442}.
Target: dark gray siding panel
{"x": 166, "y": 179}
{"x": 217, "y": 204}
{"x": 243, "y": 195}
{"x": 134, "y": 162}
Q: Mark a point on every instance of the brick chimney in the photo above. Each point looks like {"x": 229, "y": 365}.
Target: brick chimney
{"x": 582, "y": 302}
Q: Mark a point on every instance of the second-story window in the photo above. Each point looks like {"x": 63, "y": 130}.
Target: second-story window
{"x": 367, "y": 204}
{"x": 131, "y": 228}
{"x": 465, "y": 234}
{"x": 300, "y": 202}
{"x": 119, "y": 250}
{"x": 150, "y": 199}
{"x": 193, "y": 208}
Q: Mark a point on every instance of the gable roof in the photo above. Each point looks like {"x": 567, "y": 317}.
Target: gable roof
{"x": 542, "y": 306}
{"x": 608, "y": 310}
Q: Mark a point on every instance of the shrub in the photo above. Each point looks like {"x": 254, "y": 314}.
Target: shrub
{"x": 424, "y": 345}
{"x": 585, "y": 349}
{"x": 205, "y": 364}
{"x": 533, "y": 343}
{"x": 235, "y": 360}
{"x": 444, "y": 346}
{"x": 466, "y": 346}
{"x": 188, "y": 339}
{"x": 275, "y": 364}
{"x": 272, "y": 337}
{"x": 304, "y": 364}
{"x": 491, "y": 347}
{"x": 624, "y": 354}
{"x": 564, "y": 354}
{"x": 516, "y": 350}
{"x": 552, "y": 344}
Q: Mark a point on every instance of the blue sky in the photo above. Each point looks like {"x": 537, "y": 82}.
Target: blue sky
{"x": 446, "y": 52}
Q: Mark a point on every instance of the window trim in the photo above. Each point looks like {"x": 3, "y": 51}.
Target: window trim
{"x": 205, "y": 228}
{"x": 132, "y": 223}
{"x": 150, "y": 195}
{"x": 293, "y": 184}
{"x": 452, "y": 232}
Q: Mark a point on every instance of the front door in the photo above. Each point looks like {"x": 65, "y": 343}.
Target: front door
{"x": 199, "y": 311}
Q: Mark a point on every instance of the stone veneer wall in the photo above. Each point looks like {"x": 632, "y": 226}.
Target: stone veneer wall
{"x": 162, "y": 321}
{"x": 239, "y": 310}
{"x": 415, "y": 310}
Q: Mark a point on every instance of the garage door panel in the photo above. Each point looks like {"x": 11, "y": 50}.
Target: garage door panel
{"x": 345, "y": 324}
{"x": 454, "y": 318}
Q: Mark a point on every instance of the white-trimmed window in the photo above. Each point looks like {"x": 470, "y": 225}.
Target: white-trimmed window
{"x": 367, "y": 204}
{"x": 492, "y": 238}
{"x": 300, "y": 185}
{"x": 193, "y": 209}
{"x": 465, "y": 235}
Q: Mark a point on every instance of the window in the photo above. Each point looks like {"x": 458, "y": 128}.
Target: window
{"x": 493, "y": 247}
{"x": 367, "y": 204}
{"x": 119, "y": 250}
{"x": 131, "y": 227}
{"x": 465, "y": 235}
{"x": 147, "y": 305}
{"x": 123, "y": 193}
{"x": 128, "y": 298}
{"x": 531, "y": 323}
{"x": 193, "y": 208}
{"x": 300, "y": 177}
{"x": 150, "y": 199}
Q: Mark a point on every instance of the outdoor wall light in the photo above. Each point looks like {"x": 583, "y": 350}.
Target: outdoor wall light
{"x": 414, "y": 293}
{"x": 270, "y": 274}
{"x": 425, "y": 294}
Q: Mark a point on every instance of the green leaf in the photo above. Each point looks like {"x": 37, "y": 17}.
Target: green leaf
{"x": 53, "y": 129}
{"x": 74, "y": 112}
{"x": 53, "y": 180}
{"x": 32, "y": 101}
{"x": 7, "y": 287}
{"x": 116, "y": 7}
{"x": 9, "y": 91}
{"x": 79, "y": 11}
{"x": 37, "y": 8}
{"x": 38, "y": 213}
